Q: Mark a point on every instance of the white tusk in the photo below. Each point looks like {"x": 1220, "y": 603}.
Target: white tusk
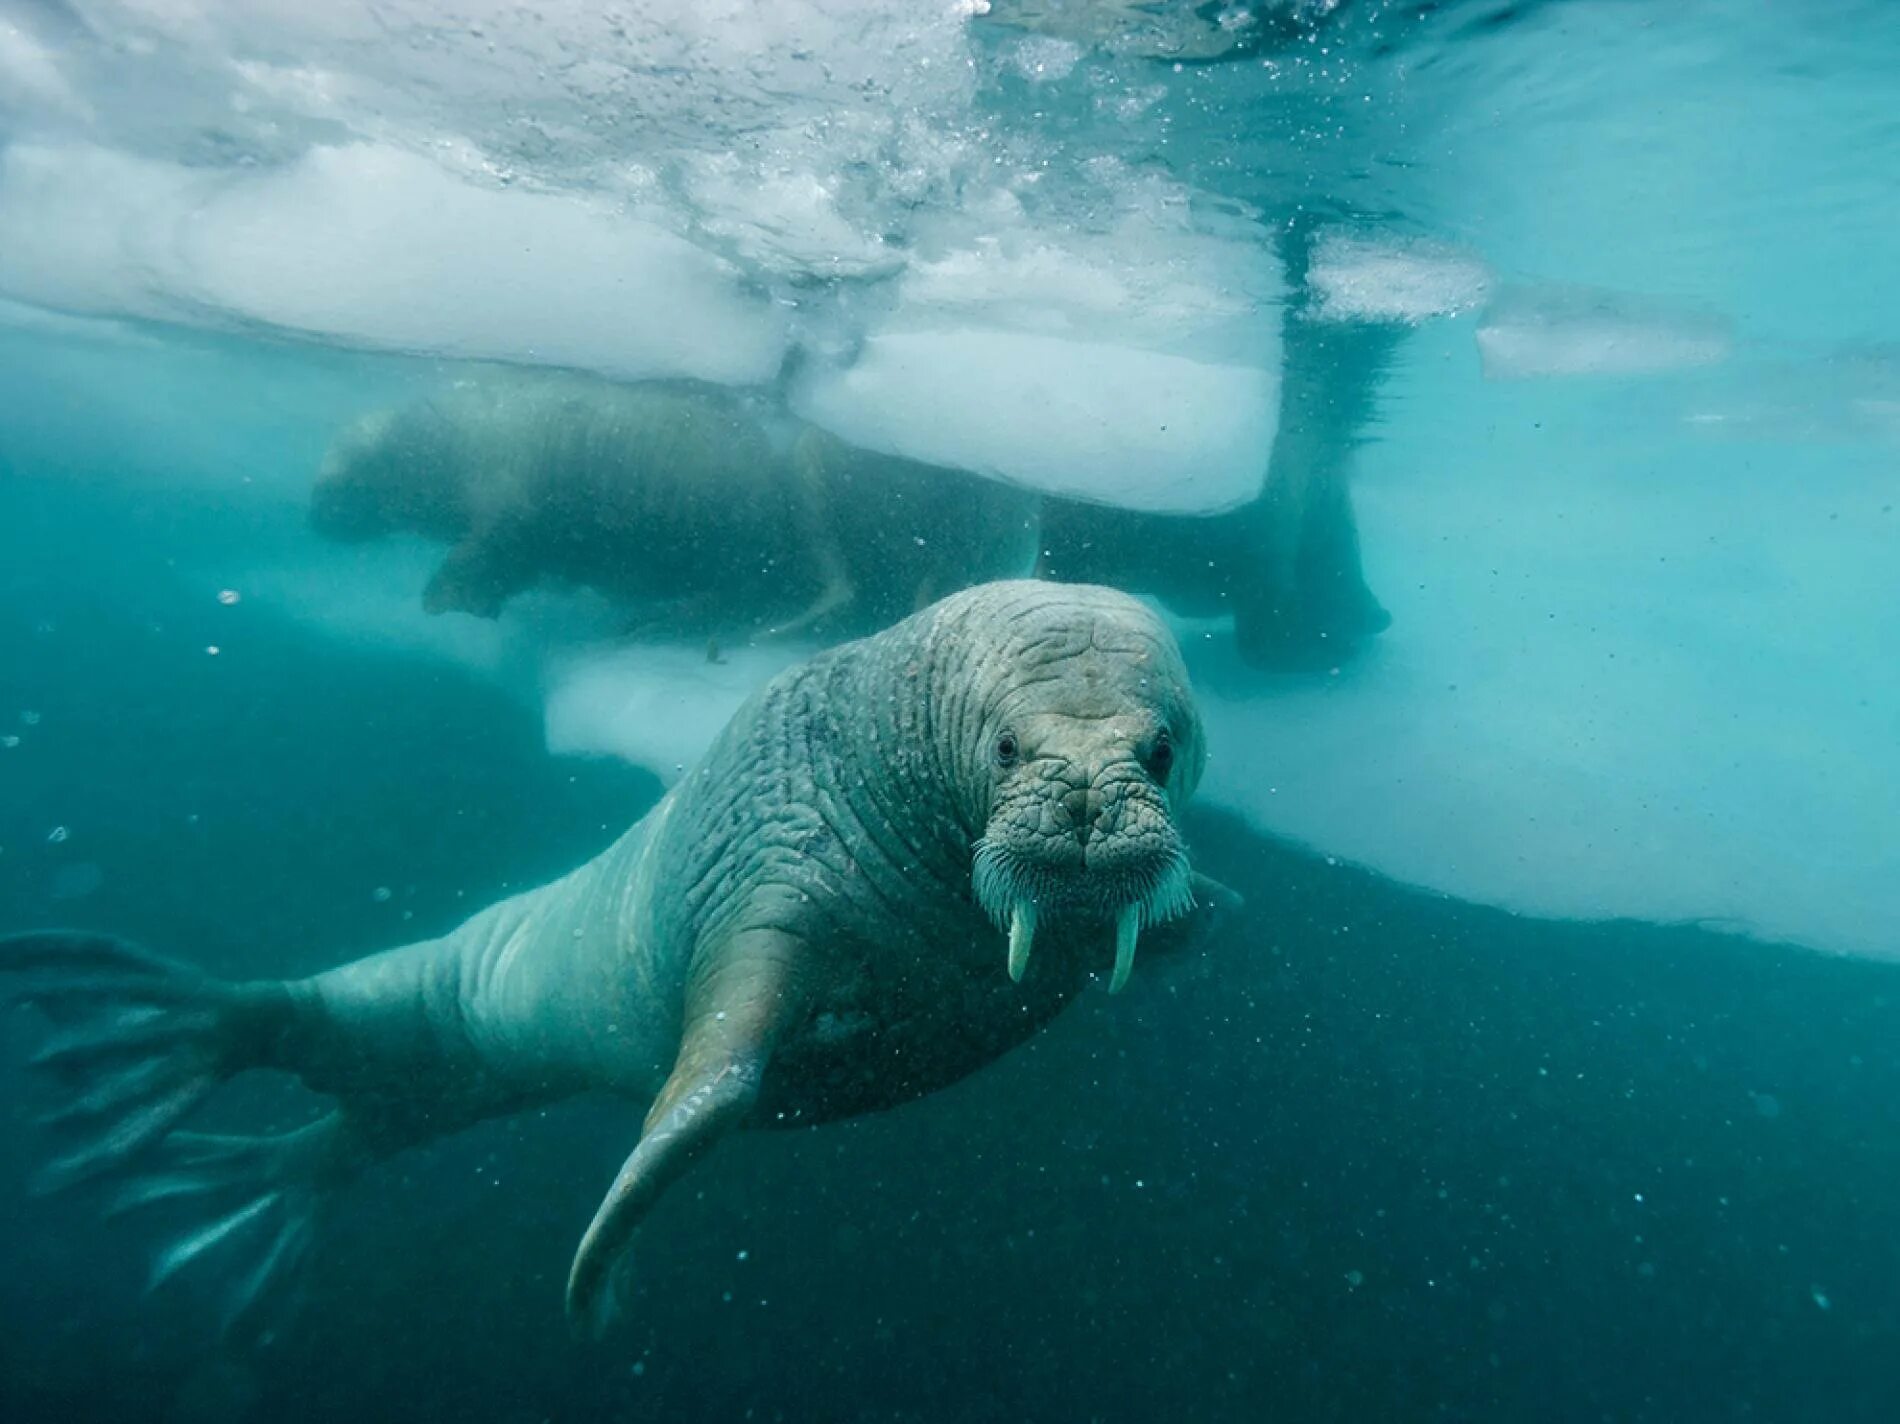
{"x": 1022, "y": 934}
{"x": 1127, "y": 930}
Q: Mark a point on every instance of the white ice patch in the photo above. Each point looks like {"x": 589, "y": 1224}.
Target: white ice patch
{"x": 1137, "y": 364}
{"x": 1627, "y": 674}
{"x": 376, "y": 248}
{"x": 1359, "y": 278}
{"x": 1137, "y": 428}
{"x": 655, "y": 705}
{"x": 1580, "y": 331}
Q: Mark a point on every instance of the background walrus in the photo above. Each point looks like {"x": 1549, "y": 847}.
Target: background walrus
{"x": 699, "y": 509}
{"x": 899, "y": 860}
{"x": 703, "y": 510}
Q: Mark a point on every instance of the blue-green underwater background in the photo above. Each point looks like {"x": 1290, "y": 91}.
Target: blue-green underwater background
{"x": 1552, "y": 1070}
{"x": 1379, "y": 1155}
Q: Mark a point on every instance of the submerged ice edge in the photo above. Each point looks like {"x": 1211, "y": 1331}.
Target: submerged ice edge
{"x": 1338, "y": 769}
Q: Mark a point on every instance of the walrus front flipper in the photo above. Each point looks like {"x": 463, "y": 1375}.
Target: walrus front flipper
{"x": 734, "y": 1013}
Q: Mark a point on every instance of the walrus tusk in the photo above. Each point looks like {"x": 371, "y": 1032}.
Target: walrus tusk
{"x": 1022, "y": 934}
{"x": 1127, "y": 930}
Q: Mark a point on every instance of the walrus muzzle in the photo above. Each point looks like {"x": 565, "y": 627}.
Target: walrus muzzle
{"x": 1120, "y": 863}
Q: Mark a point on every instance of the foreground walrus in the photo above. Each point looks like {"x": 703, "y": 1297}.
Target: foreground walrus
{"x": 898, "y": 860}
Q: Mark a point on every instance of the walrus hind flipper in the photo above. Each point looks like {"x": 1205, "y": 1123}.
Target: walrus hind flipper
{"x": 138, "y": 1042}
{"x": 266, "y": 1196}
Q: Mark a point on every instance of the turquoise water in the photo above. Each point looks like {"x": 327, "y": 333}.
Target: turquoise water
{"x": 1549, "y": 1072}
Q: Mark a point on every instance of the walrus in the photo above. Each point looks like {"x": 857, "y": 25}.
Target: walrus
{"x": 900, "y": 859}
{"x": 698, "y": 510}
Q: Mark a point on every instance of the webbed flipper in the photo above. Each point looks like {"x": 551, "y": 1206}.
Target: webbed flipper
{"x": 735, "y": 1010}
{"x": 138, "y": 1043}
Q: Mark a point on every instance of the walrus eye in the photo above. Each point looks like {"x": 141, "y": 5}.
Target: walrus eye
{"x": 1007, "y": 750}
{"x": 1160, "y": 756}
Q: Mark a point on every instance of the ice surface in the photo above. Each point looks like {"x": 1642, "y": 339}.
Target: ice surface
{"x": 1848, "y": 395}
{"x": 374, "y": 247}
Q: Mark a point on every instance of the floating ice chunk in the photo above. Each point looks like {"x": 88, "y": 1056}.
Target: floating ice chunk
{"x": 657, "y": 706}
{"x": 378, "y": 248}
{"x": 1355, "y": 278}
{"x": 1152, "y": 273}
{"x": 1088, "y": 419}
{"x": 1579, "y": 331}
{"x": 1137, "y": 363}
{"x": 787, "y": 217}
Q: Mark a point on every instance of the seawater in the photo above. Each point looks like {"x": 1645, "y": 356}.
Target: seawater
{"x": 1548, "y": 1074}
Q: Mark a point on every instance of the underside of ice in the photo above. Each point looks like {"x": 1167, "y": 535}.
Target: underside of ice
{"x": 662, "y": 190}
{"x": 1141, "y": 429}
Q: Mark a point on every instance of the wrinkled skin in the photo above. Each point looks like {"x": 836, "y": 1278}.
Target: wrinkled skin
{"x": 899, "y": 860}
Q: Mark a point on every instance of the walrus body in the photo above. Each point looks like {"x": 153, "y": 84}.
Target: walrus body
{"x": 642, "y": 492}
{"x": 898, "y": 860}
{"x": 689, "y": 504}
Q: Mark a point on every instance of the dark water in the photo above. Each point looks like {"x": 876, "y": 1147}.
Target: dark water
{"x": 1376, "y": 1155}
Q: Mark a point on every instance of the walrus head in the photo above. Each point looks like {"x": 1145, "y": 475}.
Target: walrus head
{"x": 393, "y": 471}
{"x": 1086, "y": 743}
